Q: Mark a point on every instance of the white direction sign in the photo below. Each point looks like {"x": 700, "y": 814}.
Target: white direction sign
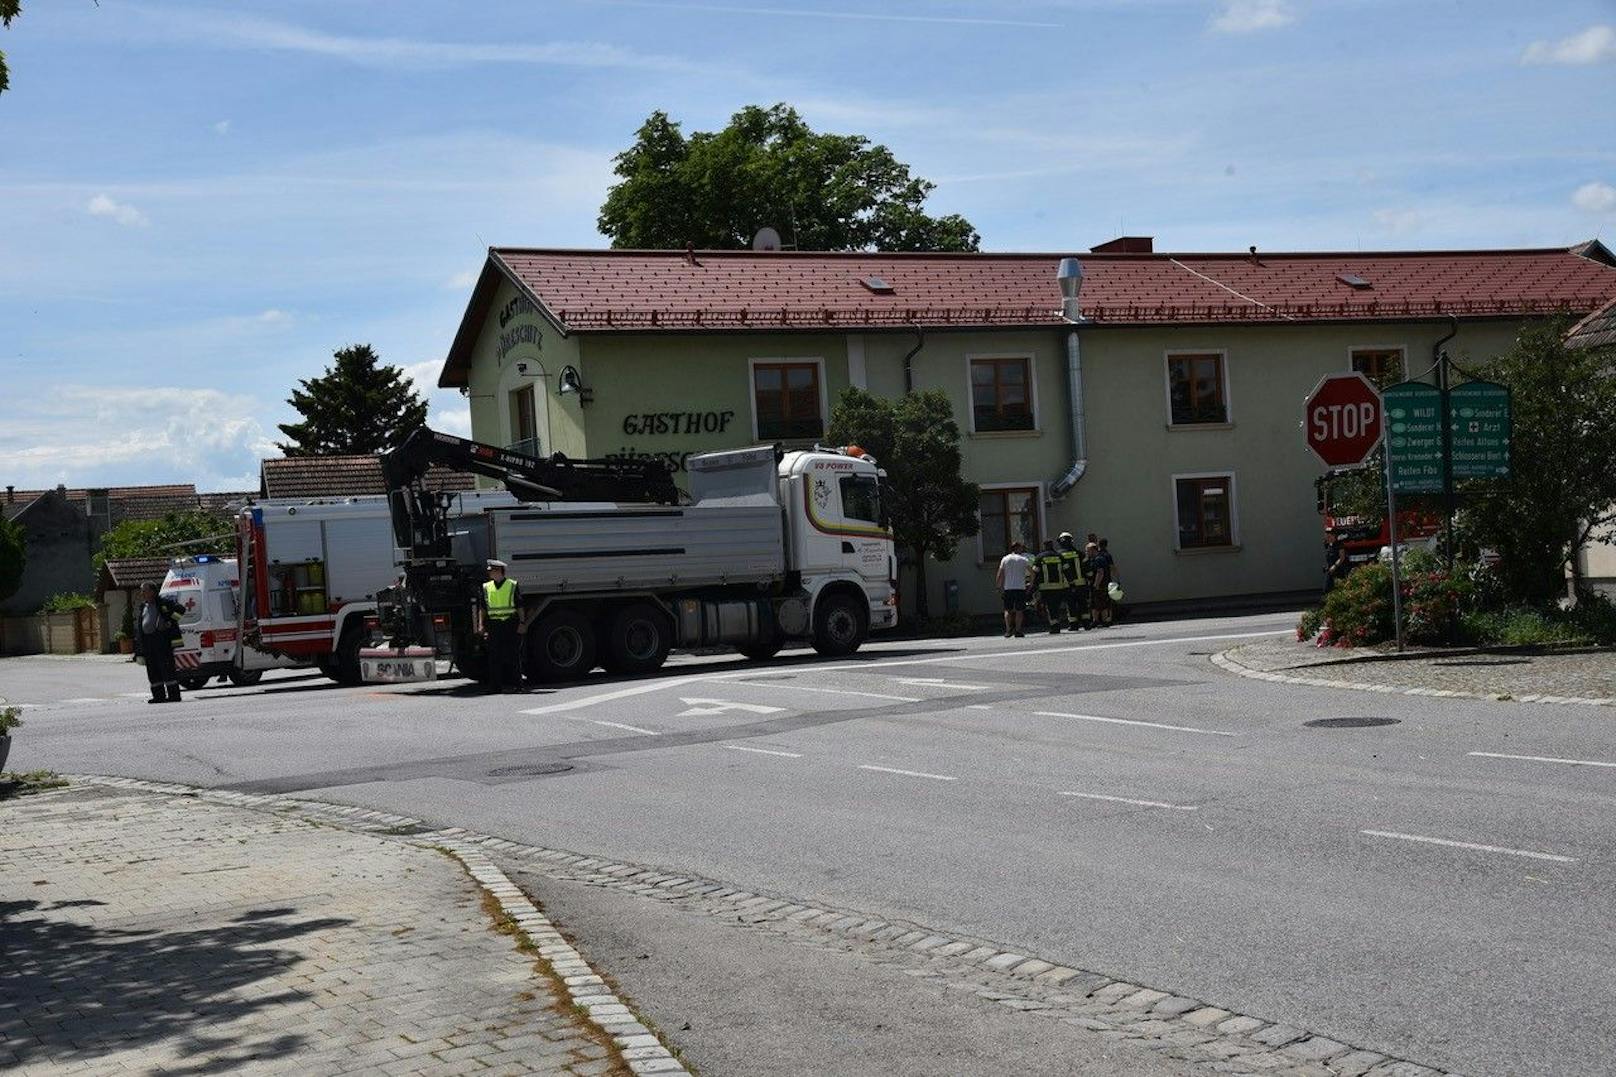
{"x": 699, "y": 707}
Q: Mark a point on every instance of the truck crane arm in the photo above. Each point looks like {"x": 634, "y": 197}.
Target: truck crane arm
{"x": 420, "y": 515}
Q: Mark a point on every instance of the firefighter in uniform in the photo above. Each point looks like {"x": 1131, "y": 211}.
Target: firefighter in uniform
{"x": 1078, "y": 614}
{"x": 502, "y": 602}
{"x": 1052, "y": 590}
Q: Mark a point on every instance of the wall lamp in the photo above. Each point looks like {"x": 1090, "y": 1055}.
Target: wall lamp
{"x": 569, "y": 382}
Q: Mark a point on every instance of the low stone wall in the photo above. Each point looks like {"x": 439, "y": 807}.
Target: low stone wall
{"x": 52, "y": 633}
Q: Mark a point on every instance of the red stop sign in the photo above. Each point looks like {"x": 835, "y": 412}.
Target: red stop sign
{"x": 1342, "y": 419}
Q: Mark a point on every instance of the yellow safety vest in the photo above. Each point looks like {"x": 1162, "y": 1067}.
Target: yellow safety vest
{"x": 1073, "y": 562}
{"x": 500, "y": 599}
{"x": 1049, "y": 573}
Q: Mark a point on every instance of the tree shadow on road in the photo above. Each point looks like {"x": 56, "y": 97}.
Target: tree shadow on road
{"x": 73, "y": 992}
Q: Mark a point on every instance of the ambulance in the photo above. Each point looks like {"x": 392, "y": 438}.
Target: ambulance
{"x": 208, "y": 588}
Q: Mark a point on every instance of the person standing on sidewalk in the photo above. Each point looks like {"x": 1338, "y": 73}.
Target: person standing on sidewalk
{"x": 1104, "y": 568}
{"x": 1079, "y": 608}
{"x": 1014, "y": 568}
{"x": 158, "y": 624}
{"x": 1052, "y": 590}
{"x": 502, "y": 605}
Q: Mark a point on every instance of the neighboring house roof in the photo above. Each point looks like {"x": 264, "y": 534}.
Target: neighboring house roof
{"x": 124, "y": 502}
{"x": 716, "y": 291}
{"x": 226, "y": 501}
{"x": 342, "y": 476}
{"x": 123, "y": 573}
{"x": 1599, "y": 328}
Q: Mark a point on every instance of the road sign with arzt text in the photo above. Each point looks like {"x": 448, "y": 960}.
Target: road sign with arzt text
{"x": 1342, "y": 417}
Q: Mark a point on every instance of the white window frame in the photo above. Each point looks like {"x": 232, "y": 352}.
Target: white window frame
{"x": 797, "y": 360}
{"x": 1234, "y": 510}
{"x": 1032, "y": 391}
{"x": 1400, "y": 349}
{"x": 987, "y": 487}
{"x": 1167, "y": 387}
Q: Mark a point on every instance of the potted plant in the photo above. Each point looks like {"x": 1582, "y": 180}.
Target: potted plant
{"x": 10, "y": 718}
{"x": 125, "y": 644}
{"x": 126, "y": 630}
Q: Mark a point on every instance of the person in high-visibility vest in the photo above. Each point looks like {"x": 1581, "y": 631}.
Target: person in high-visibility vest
{"x": 1078, "y": 614}
{"x": 1052, "y": 591}
{"x": 502, "y": 607}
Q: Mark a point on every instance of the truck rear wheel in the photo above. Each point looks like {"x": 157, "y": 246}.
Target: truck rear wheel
{"x": 560, "y": 647}
{"x": 638, "y": 640}
{"x": 194, "y": 684}
{"x": 838, "y": 626}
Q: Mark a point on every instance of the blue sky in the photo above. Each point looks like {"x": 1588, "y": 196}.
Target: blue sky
{"x": 200, "y": 200}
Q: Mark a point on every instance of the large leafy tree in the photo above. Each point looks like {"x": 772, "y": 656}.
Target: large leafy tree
{"x": 823, "y": 192}
{"x": 173, "y": 535}
{"x": 359, "y": 405}
{"x": 9, "y": 9}
{"x": 916, "y": 440}
{"x": 13, "y": 557}
{"x": 1561, "y": 491}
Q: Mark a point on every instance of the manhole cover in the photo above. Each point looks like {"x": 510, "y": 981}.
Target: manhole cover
{"x": 530, "y": 770}
{"x": 1348, "y": 723}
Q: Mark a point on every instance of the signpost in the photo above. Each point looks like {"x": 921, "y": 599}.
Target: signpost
{"x": 1478, "y": 425}
{"x": 1343, "y": 419}
{"x": 1413, "y": 437}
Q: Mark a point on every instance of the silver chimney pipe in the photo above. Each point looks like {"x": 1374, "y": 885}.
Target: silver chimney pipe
{"x": 1070, "y": 276}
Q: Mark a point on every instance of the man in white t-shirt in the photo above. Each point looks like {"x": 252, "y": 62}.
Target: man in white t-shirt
{"x": 1014, "y": 568}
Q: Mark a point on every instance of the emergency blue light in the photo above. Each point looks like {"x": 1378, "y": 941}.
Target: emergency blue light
{"x": 204, "y": 558}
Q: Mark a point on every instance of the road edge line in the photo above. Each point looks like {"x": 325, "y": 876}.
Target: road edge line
{"x": 1230, "y": 665}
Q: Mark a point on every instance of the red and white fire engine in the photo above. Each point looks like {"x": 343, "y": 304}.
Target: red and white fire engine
{"x": 208, "y": 588}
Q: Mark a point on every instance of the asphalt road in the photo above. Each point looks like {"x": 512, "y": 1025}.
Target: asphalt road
{"x": 1110, "y": 800}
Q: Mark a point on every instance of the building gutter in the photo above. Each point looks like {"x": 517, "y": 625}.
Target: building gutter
{"x": 908, "y": 359}
{"x": 1074, "y": 395}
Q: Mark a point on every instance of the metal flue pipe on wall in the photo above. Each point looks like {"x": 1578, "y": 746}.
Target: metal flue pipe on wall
{"x": 1070, "y": 276}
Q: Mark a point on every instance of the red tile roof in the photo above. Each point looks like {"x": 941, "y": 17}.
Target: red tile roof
{"x": 122, "y": 573}
{"x": 125, "y": 502}
{"x": 1596, "y": 330}
{"x": 342, "y": 476}
{"x": 707, "y": 291}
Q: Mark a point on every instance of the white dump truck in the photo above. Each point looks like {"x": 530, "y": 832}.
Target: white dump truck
{"x": 616, "y": 566}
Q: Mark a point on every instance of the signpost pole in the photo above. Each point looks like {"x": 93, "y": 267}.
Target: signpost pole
{"x": 1397, "y": 581}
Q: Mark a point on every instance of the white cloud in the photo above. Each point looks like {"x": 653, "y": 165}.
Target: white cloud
{"x": 1595, "y": 45}
{"x": 222, "y": 127}
{"x": 819, "y": 14}
{"x": 1595, "y": 197}
{"x": 85, "y": 434}
{"x": 104, "y": 206}
{"x": 1399, "y": 221}
{"x": 462, "y": 281}
{"x": 1250, "y": 16}
{"x": 272, "y": 317}
{"x": 454, "y": 421}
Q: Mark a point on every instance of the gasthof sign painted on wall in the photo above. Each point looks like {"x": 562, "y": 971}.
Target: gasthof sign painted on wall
{"x": 670, "y": 423}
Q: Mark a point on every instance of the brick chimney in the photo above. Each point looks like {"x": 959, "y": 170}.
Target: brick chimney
{"x": 1127, "y": 245}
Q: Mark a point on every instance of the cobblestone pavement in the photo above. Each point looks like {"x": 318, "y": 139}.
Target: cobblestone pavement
{"x": 151, "y": 933}
{"x": 1588, "y": 677}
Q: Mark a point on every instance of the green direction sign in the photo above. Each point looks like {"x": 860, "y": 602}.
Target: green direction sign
{"x": 1414, "y": 437}
{"x": 1478, "y": 413}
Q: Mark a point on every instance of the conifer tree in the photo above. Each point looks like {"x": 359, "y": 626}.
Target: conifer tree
{"x": 359, "y": 405}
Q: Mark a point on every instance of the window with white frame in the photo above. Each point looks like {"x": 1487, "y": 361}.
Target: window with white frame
{"x": 1001, "y": 393}
{"x": 1204, "y": 510}
{"x": 1197, "y": 388}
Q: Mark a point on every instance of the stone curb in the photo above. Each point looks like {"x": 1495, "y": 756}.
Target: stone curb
{"x": 1230, "y": 665}
{"x": 641, "y": 1049}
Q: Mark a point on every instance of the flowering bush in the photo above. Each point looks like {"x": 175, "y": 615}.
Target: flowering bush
{"x": 1433, "y": 600}
{"x": 1358, "y": 610}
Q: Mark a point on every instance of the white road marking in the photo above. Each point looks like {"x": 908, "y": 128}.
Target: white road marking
{"x": 763, "y": 751}
{"x": 662, "y": 683}
{"x": 1128, "y": 800}
{"x": 1544, "y": 759}
{"x": 938, "y": 682}
{"x": 978, "y": 706}
{"x": 834, "y": 691}
{"x": 620, "y": 725}
{"x": 88, "y": 699}
{"x": 719, "y": 706}
{"x": 910, "y": 773}
{"x": 1470, "y": 845}
{"x": 1131, "y": 721}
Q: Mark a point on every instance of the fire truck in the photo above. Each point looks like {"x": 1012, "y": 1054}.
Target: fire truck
{"x": 1362, "y": 537}
{"x": 311, "y": 571}
{"x": 616, "y": 566}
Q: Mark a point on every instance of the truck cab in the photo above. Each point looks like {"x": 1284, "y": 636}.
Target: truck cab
{"x": 837, "y": 527}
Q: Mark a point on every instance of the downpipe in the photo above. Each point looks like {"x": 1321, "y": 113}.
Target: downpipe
{"x": 1074, "y": 390}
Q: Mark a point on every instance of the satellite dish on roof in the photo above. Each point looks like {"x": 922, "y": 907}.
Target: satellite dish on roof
{"x": 767, "y": 239}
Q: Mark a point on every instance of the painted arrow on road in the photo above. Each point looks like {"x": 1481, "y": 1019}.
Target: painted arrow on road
{"x": 719, "y": 706}
{"x": 938, "y": 682}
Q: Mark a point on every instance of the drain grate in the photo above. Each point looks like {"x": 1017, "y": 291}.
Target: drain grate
{"x": 1349, "y": 723}
{"x": 530, "y": 770}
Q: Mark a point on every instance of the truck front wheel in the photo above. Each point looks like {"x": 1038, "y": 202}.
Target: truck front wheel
{"x": 639, "y": 639}
{"x": 560, "y": 647}
{"x": 838, "y": 626}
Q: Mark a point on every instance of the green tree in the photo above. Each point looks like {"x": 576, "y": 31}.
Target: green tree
{"x": 916, "y": 440}
{"x": 357, "y": 406}
{"x": 823, "y": 192}
{"x": 9, "y": 9}
{"x": 13, "y": 557}
{"x": 1561, "y": 491}
{"x": 173, "y": 535}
